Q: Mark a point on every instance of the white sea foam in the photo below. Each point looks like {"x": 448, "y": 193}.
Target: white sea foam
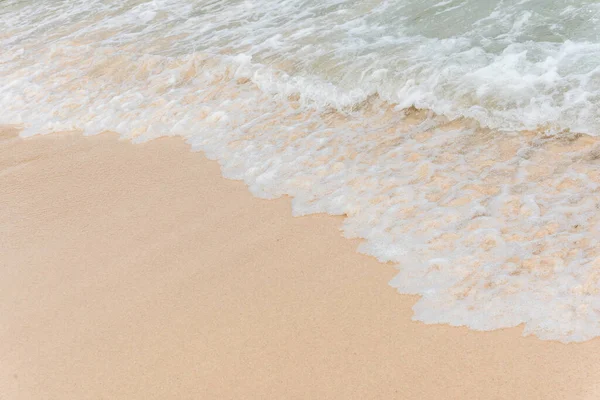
{"x": 486, "y": 198}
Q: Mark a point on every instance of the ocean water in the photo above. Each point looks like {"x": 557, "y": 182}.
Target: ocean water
{"x": 456, "y": 137}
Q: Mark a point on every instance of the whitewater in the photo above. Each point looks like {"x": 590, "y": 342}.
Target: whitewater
{"x": 458, "y": 138}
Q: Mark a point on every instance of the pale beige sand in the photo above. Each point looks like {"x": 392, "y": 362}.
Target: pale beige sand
{"x": 138, "y": 272}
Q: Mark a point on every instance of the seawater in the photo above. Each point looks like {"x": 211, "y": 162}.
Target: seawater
{"x": 456, "y": 137}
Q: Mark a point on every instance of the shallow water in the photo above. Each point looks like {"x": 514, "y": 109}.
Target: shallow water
{"x": 453, "y": 135}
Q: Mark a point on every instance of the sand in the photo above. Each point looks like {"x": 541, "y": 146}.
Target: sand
{"x": 138, "y": 272}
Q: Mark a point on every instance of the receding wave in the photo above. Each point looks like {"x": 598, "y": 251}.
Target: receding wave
{"x": 462, "y": 153}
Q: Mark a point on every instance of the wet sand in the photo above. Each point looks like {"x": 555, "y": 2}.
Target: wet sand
{"x": 138, "y": 272}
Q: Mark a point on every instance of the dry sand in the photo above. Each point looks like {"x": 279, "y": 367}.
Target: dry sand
{"x": 138, "y": 272}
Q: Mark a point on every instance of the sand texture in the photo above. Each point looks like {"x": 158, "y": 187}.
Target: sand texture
{"x": 138, "y": 272}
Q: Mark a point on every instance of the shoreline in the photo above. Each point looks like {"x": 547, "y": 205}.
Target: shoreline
{"x": 480, "y": 221}
{"x": 115, "y": 286}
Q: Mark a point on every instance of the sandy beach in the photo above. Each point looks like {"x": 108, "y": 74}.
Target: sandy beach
{"x": 138, "y": 272}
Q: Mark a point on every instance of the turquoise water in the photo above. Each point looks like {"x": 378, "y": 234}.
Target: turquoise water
{"x": 508, "y": 64}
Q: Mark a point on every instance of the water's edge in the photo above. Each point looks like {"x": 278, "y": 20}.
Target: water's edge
{"x": 493, "y": 229}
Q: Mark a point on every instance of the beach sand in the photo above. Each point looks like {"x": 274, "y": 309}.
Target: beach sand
{"x": 138, "y": 272}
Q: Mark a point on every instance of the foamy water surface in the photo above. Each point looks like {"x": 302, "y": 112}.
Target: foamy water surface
{"x": 457, "y": 137}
